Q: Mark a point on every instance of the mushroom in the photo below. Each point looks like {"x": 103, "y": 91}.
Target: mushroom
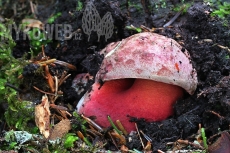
{"x": 143, "y": 76}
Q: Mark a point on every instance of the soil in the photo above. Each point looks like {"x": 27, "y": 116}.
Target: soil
{"x": 196, "y": 30}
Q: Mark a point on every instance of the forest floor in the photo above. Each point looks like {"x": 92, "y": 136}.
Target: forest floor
{"x": 206, "y": 37}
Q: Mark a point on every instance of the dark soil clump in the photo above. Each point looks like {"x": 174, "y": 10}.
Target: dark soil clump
{"x": 201, "y": 36}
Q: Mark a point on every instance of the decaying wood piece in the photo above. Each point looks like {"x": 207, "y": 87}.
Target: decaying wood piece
{"x": 60, "y": 129}
{"x": 42, "y": 116}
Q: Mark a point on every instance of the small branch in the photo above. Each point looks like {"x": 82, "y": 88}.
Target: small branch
{"x": 15, "y": 88}
{"x": 48, "y": 93}
{"x": 215, "y": 113}
{"x": 139, "y": 136}
{"x": 174, "y": 18}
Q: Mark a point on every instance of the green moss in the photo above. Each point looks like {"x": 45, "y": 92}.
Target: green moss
{"x": 138, "y": 6}
{"x": 222, "y": 11}
{"x": 183, "y": 6}
{"x": 160, "y": 4}
{"x": 80, "y": 5}
{"x": 53, "y": 18}
{"x": 81, "y": 121}
{"x": 70, "y": 138}
{"x": 36, "y": 42}
{"x": 19, "y": 112}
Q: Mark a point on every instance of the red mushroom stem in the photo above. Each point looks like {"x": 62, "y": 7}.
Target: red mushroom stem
{"x": 119, "y": 99}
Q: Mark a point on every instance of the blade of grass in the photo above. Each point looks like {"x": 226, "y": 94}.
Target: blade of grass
{"x": 114, "y": 126}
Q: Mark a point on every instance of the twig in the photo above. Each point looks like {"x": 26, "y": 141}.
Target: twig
{"x": 223, "y": 47}
{"x": 13, "y": 87}
{"x": 92, "y": 123}
{"x": 43, "y": 63}
{"x": 119, "y": 137}
{"x": 139, "y": 136}
{"x": 218, "y": 115}
{"x": 63, "y": 75}
{"x": 146, "y": 137}
{"x": 32, "y": 9}
{"x": 121, "y": 127}
{"x": 144, "y": 28}
{"x": 114, "y": 142}
{"x": 93, "y": 132}
{"x": 174, "y": 18}
{"x": 83, "y": 138}
{"x": 56, "y": 85}
{"x": 49, "y": 78}
{"x": 43, "y": 51}
{"x": 48, "y": 93}
{"x": 186, "y": 142}
{"x": 58, "y": 107}
{"x": 68, "y": 113}
{"x": 62, "y": 80}
{"x": 70, "y": 66}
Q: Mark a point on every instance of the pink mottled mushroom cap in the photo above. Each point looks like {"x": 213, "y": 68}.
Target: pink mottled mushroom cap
{"x": 144, "y": 75}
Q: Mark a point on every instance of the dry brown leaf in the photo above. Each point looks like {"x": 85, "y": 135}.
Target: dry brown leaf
{"x": 42, "y": 116}
{"x": 32, "y": 23}
{"x": 60, "y": 129}
{"x": 222, "y": 144}
{"x": 120, "y": 138}
{"x": 124, "y": 149}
